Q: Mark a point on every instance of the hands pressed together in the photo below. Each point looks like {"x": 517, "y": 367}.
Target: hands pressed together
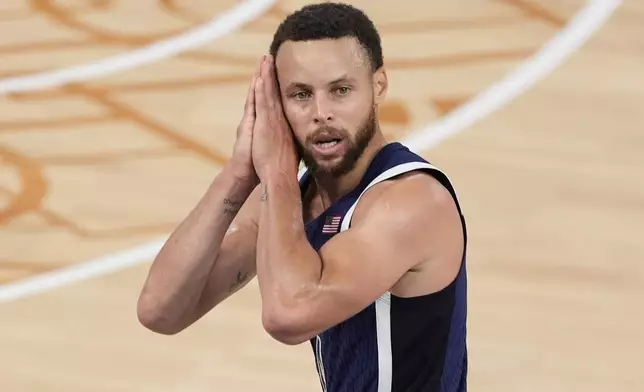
{"x": 265, "y": 144}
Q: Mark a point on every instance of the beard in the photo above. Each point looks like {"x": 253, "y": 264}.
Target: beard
{"x": 355, "y": 149}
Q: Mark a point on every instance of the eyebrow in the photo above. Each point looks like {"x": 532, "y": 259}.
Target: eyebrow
{"x": 304, "y": 86}
{"x": 343, "y": 78}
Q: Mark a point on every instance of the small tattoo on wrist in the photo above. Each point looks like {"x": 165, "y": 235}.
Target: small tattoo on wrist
{"x": 265, "y": 193}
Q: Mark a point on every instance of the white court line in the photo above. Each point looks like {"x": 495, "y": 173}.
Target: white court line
{"x": 575, "y": 34}
{"x": 221, "y": 25}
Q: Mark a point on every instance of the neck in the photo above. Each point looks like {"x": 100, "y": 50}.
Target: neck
{"x": 330, "y": 188}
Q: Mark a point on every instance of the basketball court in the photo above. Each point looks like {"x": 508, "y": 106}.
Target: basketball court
{"x": 116, "y": 115}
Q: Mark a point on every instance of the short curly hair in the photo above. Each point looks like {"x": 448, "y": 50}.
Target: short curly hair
{"x": 330, "y": 21}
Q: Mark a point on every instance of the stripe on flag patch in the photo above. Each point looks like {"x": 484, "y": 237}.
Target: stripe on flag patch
{"x": 331, "y": 224}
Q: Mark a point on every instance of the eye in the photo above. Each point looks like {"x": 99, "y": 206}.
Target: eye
{"x": 300, "y": 95}
{"x": 343, "y": 90}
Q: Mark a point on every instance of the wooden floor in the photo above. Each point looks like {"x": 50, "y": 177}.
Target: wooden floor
{"x": 551, "y": 183}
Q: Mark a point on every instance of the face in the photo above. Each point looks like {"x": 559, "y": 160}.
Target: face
{"x": 329, "y": 94}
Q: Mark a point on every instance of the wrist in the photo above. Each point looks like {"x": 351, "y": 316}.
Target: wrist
{"x": 277, "y": 170}
{"x": 242, "y": 173}
{"x": 280, "y": 183}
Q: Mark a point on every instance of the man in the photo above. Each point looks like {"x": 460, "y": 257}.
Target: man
{"x": 362, "y": 253}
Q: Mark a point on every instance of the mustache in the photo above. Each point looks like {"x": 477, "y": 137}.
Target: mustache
{"x": 326, "y": 132}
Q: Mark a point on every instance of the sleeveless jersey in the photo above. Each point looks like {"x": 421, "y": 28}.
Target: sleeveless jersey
{"x": 395, "y": 344}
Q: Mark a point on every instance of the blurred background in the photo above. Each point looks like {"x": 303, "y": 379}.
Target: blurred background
{"x": 116, "y": 115}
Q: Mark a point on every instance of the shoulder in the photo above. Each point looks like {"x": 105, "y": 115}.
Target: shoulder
{"x": 412, "y": 217}
{"x": 413, "y": 197}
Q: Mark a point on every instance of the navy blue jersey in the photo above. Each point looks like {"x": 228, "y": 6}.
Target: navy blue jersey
{"x": 395, "y": 344}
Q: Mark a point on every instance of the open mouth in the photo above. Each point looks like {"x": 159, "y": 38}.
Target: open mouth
{"x": 328, "y": 142}
{"x": 324, "y": 144}
{"x": 328, "y": 146}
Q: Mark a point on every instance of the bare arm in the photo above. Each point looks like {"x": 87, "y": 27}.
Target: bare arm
{"x": 211, "y": 254}
{"x": 304, "y": 293}
{"x": 208, "y": 257}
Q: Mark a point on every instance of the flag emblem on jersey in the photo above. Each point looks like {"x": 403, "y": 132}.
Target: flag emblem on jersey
{"x": 331, "y": 224}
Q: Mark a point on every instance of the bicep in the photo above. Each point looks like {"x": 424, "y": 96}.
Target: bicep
{"x": 400, "y": 232}
{"x": 359, "y": 265}
{"x": 363, "y": 264}
{"x": 356, "y": 271}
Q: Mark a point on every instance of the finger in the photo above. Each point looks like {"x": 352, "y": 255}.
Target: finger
{"x": 249, "y": 106}
{"x": 268, "y": 75}
{"x": 261, "y": 110}
{"x": 275, "y": 89}
{"x": 272, "y": 92}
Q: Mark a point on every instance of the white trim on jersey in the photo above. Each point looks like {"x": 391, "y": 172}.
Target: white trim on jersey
{"x": 320, "y": 362}
{"x": 387, "y": 174}
{"x": 383, "y": 334}
{"x": 301, "y": 173}
{"x": 383, "y": 304}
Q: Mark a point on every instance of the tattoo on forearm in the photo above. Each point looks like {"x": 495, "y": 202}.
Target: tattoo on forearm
{"x": 233, "y": 203}
{"x": 239, "y": 280}
{"x": 265, "y": 193}
{"x": 233, "y": 206}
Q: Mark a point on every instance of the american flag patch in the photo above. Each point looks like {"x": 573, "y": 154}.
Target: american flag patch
{"x": 331, "y": 224}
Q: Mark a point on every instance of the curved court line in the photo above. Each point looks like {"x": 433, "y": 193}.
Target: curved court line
{"x": 221, "y": 25}
{"x": 576, "y": 33}
{"x": 535, "y": 68}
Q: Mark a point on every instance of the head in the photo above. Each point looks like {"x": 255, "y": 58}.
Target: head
{"x": 330, "y": 72}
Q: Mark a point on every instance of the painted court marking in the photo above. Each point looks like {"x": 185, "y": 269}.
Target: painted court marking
{"x": 574, "y": 35}
{"x": 221, "y": 25}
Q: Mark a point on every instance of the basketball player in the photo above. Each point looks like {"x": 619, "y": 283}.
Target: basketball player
{"x": 362, "y": 253}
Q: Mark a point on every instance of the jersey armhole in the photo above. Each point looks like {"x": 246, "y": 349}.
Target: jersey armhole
{"x": 386, "y": 175}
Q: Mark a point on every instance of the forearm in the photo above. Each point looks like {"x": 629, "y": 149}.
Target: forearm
{"x": 182, "y": 268}
{"x": 288, "y": 268}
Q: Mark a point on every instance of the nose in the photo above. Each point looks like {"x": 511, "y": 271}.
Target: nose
{"x": 323, "y": 112}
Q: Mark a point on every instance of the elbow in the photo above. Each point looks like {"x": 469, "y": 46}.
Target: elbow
{"x": 286, "y": 327}
{"x": 153, "y": 318}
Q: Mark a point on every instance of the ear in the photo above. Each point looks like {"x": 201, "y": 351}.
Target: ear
{"x": 380, "y": 85}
